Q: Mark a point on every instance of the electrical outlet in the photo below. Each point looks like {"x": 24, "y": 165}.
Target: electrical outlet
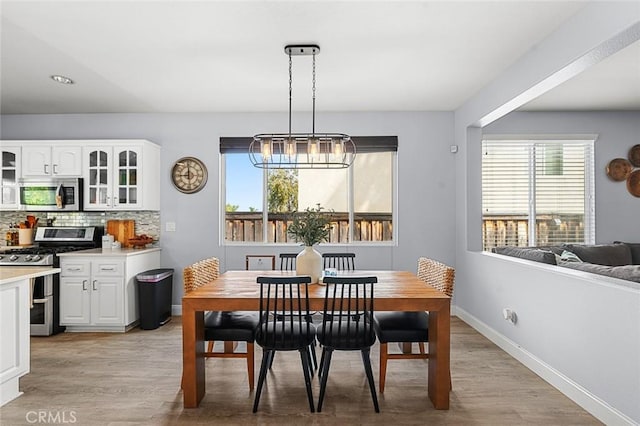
{"x": 170, "y": 226}
{"x": 509, "y": 315}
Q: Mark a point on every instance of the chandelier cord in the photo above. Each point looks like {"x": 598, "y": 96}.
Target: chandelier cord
{"x": 290, "y": 92}
{"x": 313, "y": 113}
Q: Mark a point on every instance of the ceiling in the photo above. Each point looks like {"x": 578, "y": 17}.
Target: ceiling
{"x": 227, "y": 56}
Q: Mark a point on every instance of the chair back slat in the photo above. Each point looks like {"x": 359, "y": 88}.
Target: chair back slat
{"x": 284, "y": 307}
{"x": 348, "y": 312}
{"x": 200, "y": 273}
{"x": 339, "y": 261}
{"x": 288, "y": 261}
{"x": 437, "y": 275}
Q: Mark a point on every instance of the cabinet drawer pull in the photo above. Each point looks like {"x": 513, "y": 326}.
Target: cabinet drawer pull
{"x": 94, "y": 284}
{"x": 111, "y": 268}
{"x": 46, "y": 172}
{"x": 74, "y": 269}
{"x": 55, "y": 169}
{"x": 84, "y": 285}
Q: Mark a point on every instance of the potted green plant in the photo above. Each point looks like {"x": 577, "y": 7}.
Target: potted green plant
{"x": 310, "y": 227}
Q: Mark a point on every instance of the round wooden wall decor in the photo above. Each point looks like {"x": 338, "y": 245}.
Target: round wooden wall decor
{"x": 633, "y": 183}
{"x": 619, "y": 169}
{"x": 634, "y": 155}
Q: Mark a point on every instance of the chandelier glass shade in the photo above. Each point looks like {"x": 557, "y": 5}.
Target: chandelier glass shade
{"x": 302, "y": 150}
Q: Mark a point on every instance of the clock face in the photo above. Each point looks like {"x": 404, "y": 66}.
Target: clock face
{"x": 189, "y": 175}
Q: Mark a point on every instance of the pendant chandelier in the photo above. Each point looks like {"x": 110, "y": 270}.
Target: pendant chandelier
{"x": 302, "y": 150}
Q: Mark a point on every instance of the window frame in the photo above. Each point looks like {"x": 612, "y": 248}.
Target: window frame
{"x": 370, "y": 144}
{"x": 589, "y": 178}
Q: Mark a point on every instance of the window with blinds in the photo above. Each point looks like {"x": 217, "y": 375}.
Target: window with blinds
{"x": 537, "y": 192}
{"x": 260, "y": 203}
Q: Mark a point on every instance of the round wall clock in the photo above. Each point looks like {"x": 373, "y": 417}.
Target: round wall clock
{"x": 189, "y": 175}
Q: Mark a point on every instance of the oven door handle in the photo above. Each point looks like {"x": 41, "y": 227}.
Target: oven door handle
{"x": 39, "y": 300}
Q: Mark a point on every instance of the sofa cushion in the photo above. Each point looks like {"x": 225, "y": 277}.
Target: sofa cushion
{"x": 635, "y": 251}
{"x": 626, "y": 272}
{"x": 603, "y": 254}
{"x": 568, "y": 256}
{"x": 535, "y": 254}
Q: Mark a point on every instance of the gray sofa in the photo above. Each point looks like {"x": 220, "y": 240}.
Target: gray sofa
{"x": 620, "y": 260}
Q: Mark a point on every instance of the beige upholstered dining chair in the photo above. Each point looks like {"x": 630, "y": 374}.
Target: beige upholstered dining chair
{"x": 411, "y": 327}
{"x": 229, "y": 327}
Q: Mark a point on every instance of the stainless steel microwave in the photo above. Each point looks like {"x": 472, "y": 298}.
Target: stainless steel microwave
{"x": 51, "y": 194}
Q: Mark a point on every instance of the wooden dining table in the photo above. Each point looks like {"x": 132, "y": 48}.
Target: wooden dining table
{"x": 238, "y": 291}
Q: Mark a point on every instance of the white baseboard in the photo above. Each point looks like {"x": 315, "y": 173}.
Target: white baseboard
{"x": 176, "y": 310}
{"x": 581, "y": 396}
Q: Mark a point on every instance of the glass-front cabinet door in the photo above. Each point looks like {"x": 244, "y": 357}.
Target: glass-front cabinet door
{"x": 127, "y": 185}
{"x": 97, "y": 176}
{"x": 10, "y": 170}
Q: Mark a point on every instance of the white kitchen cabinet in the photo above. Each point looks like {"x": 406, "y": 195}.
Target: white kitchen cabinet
{"x": 48, "y": 159}
{"x": 121, "y": 175}
{"x": 14, "y": 337}
{"x": 98, "y": 290}
{"x": 75, "y": 305}
{"x": 10, "y": 173}
{"x": 15, "y": 346}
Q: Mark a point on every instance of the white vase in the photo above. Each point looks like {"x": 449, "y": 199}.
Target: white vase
{"x": 309, "y": 262}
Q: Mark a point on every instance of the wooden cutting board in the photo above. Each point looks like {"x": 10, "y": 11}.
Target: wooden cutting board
{"x": 122, "y": 230}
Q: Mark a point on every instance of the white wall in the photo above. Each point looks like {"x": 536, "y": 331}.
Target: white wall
{"x": 426, "y": 176}
{"x": 580, "y": 334}
{"x": 617, "y": 211}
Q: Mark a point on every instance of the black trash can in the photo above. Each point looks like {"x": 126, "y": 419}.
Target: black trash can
{"x": 154, "y": 297}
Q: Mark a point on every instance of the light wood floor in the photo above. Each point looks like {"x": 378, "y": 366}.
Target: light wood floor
{"x": 134, "y": 379}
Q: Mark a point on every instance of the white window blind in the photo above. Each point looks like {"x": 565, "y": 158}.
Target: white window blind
{"x": 537, "y": 192}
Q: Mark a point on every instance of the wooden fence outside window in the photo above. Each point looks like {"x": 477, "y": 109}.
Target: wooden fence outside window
{"x": 509, "y": 230}
{"x": 247, "y": 227}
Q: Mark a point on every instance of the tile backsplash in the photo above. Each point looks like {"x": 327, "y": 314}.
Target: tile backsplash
{"x": 147, "y": 222}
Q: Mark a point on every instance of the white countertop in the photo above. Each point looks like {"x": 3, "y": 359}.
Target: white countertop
{"x": 9, "y": 274}
{"x": 110, "y": 252}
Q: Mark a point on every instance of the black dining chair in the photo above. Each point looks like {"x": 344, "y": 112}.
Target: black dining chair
{"x": 288, "y": 261}
{"x": 339, "y": 261}
{"x": 347, "y": 325}
{"x": 284, "y": 308}
{"x": 411, "y": 327}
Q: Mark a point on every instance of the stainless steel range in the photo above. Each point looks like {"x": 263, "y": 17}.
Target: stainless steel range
{"x": 49, "y": 242}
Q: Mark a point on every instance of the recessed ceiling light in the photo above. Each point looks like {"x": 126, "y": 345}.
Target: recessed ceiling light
{"x": 62, "y": 79}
